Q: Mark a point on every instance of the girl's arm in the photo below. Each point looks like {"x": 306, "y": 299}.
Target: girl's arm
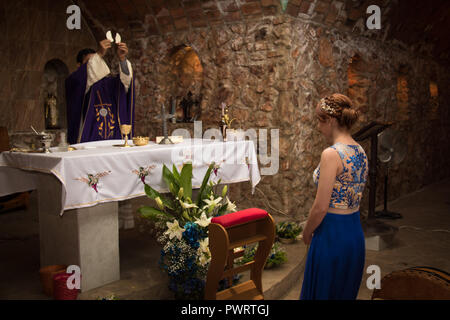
{"x": 329, "y": 166}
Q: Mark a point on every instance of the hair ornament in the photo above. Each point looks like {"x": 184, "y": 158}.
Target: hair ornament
{"x": 327, "y": 108}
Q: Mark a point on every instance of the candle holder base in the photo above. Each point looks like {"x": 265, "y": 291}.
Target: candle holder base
{"x": 166, "y": 141}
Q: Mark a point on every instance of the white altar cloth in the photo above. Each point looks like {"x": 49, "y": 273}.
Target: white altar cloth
{"x": 99, "y": 172}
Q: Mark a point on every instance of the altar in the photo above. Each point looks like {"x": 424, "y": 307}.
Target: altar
{"x": 78, "y": 192}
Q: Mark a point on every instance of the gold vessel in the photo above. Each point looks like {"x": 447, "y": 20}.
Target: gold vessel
{"x": 125, "y": 129}
{"x": 140, "y": 141}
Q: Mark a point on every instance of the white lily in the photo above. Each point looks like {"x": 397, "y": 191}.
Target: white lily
{"x": 231, "y": 207}
{"x": 203, "y": 221}
{"x": 204, "y": 260}
{"x": 174, "y": 230}
{"x": 204, "y": 245}
{"x": 204, "y": 255}
{"x": 186, "y": 205}
{"x": 212, "y": 203}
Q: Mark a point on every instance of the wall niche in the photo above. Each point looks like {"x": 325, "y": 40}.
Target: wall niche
{"x": 53, "y": 97}
{"x": 186, "y": 82}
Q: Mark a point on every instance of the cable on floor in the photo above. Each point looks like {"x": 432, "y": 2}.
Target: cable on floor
{"x": 417, "y": 228}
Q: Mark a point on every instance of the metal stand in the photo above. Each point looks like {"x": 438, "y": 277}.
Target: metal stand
{"x": 385, "y": 213}
{"x": 374, "y": 230}
{"x": 164, "y": 117}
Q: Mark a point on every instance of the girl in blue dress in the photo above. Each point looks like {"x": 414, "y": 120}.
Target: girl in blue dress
{"x": 335, "y": 260}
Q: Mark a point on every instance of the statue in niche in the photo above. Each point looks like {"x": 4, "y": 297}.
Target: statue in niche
{"x": 187, "y": 104}
{"x": 51, "y": 112}
{"x": 186, "y": 74}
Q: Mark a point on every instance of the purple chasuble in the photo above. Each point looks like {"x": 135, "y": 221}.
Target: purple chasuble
{"x": 98, "y": 114}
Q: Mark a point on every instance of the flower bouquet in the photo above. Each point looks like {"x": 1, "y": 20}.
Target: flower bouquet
{"x": 288, "y": 231}
{"x": 277, "y": 255}
{"x": 182, "y": 227}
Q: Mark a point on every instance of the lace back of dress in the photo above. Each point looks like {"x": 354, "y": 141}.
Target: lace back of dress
{"x": 354, "y": 162}
{"x": 347, "y": 191}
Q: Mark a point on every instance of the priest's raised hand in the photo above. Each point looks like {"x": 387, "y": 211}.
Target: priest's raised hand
{"x": 98, "y": 102}
{"x": 104, "y": 45}
{"x": 122, "y": 51}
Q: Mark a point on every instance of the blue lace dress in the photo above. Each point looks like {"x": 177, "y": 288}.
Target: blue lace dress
{"x": 335, "y": 261}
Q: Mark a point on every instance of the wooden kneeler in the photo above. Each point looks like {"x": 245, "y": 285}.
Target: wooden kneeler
{"x": 231, "y": 231}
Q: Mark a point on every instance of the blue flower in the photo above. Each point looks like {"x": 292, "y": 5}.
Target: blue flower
{"x": 192, "y": 234}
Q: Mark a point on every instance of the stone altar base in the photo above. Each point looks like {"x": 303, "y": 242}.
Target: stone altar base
{"x": 87, "y": 237}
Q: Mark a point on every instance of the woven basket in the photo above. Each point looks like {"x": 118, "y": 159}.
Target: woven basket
{"x": 46, "y": 274}
{"x": 60, "y": 289}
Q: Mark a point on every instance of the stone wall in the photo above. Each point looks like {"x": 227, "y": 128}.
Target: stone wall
{"x": 273, "y": 70}
{"x": 33, "y": 33}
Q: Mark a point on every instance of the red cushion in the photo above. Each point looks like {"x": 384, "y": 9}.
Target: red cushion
{"x": 240, "y": 217}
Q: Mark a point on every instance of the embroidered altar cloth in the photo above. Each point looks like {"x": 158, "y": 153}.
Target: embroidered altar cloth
{"x": 99, "y": 172}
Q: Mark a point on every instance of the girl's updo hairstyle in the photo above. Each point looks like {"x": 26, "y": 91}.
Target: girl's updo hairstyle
{"x": 340, "y": 107}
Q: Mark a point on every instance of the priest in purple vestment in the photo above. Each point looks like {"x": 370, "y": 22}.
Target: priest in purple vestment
{"x": 97, "y": 102}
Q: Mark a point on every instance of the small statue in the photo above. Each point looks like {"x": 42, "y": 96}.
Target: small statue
{"x": 51, "y": 112}
{"x": 225, "y": 121}
{"x": 187, "y": 103}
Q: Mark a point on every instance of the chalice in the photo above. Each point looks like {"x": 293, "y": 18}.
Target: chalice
{"x": 46, "y": 140}
{"x": 125, "y": 129}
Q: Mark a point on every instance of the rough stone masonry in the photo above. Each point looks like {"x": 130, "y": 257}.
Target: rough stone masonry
{"x": 271, "y": 64}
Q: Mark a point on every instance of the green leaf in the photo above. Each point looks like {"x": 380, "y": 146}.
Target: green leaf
{"x": 186, "y": 179}
{"x": 204, "y": 184}
{"x": 169, "y": 178}
{"x": 172, "y": 188}
{"x": 186, "y": 216}
{"x": 150, "y": 192}
{"x": 153, "y": 194}
{"x": 153, "y": 213}
{"x": 205, "y": 194}
{"x": 222, "y": 210}
{"x": 175, "y": 172}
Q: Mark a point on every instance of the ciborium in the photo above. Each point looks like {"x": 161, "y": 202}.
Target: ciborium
{"x": 46, "y": 141}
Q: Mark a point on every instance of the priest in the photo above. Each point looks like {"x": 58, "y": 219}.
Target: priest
{"x": 97, "y": 102}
